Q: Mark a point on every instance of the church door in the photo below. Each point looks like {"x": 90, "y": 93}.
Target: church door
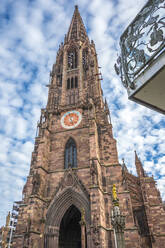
{"x": 70, "y": 229}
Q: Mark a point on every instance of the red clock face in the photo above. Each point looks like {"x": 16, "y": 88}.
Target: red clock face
{"x": 71, "y": 119}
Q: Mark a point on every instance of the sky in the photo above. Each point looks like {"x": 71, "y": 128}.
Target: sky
{"x": 30, "y": 34}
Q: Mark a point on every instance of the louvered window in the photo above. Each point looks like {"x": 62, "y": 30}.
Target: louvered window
{"x": 72, "y": 83}
{"x": 68, "y": 83}
{"x": 76, "y": 82}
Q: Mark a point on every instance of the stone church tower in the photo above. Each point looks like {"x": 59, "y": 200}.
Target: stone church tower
{"x": 67, "y": 199}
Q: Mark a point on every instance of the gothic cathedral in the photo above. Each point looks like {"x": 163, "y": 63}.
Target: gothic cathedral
{"x": 75, "y": 180}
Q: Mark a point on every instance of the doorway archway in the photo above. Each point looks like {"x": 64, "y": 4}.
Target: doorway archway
{"x": 58, "y": 209}
{"x": 70, "y": 229}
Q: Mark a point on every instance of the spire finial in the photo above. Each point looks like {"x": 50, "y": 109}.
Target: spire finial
{"x": 124, "y": 167}
{"x": 136, "y": 157}
{"x": 8, "y": 219}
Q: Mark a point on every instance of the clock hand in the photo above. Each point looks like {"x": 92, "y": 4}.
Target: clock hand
{"x": 71, "y": 119}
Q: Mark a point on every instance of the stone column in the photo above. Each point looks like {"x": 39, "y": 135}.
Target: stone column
{"x": 117, "y": 221}
{"x": 51, "y": 237}
{"x": 83, "y": 238}
{"x": 82, "y": 223}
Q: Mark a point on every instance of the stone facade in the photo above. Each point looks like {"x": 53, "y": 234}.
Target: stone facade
{"x": 59, "y": 187}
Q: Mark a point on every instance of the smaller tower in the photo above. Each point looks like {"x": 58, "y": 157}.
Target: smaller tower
{"x": 5, "y": 232}
{"x": 139, "y": 167}
{"x": 153, "y": 207}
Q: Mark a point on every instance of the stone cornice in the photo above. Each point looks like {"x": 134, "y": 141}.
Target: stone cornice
{"x": 110, "y": 165}
{"x": 41, "y": 167}
{"x": 68, "y": 130}
{"x": 39, "y": 198}
{"x": 111, "y": 229}
{"x": 63, "y": 170}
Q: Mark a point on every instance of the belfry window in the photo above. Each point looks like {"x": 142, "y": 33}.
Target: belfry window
{"x": 76, "y": 82}
{"x": 70, "y": 154}
{"x": 72, "y": 59}
{"x": 85, "y": 59}
{"x": 59, "y": 79}
{"x": 72, "y": 83}
{"x": 68, "y": 83}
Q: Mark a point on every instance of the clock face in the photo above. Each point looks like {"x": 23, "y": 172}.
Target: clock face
{"x": 71, "y": 119}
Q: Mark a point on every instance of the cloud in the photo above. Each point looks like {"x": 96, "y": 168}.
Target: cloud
{"x": 32, "y": 32}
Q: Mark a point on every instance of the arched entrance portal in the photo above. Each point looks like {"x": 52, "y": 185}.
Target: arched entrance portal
{"x": 64, "y": 213}
{"x": 70, "y": 229}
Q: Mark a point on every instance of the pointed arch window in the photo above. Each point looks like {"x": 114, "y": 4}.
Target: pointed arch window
{"x": 76, "y": 82}
{"x": 70, "y": 154}
{"x": 85, "y": 59}
{"x": 72, "y": 83}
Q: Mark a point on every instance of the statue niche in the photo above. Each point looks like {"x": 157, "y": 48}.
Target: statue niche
{"x": 36, "y": 183}
{"x": 94, "y": 173}
{"x": 96, "y": 231}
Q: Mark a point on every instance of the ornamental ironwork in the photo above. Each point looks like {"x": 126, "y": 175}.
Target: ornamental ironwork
{"x": 141, "y": 42}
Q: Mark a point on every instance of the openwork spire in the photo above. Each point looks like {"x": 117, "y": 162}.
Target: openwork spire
{"x": 77, "y": 29}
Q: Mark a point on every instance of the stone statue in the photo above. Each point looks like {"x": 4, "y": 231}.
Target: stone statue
{"x": 114, "y": 196}
{"x": 28, "y": 224}
{"x": 36, "y": 183}
{"x": 114, "y": 192}
{"x": 96, "y": 231}
{"x": 83, "y": 216}
{"x": 8, "y": 220}
{"x": 94, "y": 173}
